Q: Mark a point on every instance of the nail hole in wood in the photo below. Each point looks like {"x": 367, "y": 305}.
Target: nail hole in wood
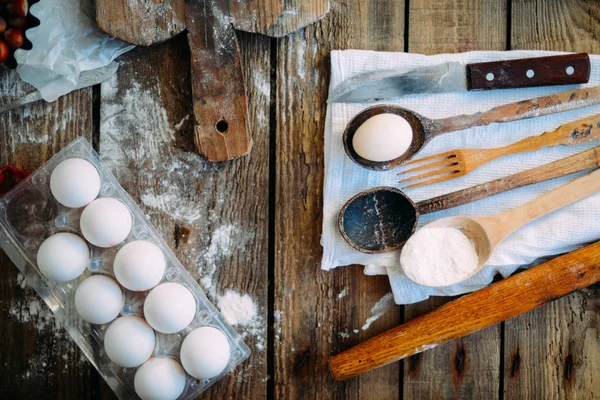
{"x": 570, "y": 70}
{"x": 489, "y": 76}
{"x": 222, "y": 126}
{"x": 530, "y": 73}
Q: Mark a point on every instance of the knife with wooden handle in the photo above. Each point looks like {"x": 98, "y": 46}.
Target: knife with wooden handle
{"x": 475, "y": 311}
{"x": 564, "y": 69}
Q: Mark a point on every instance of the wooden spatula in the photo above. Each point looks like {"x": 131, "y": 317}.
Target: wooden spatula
{"x": 475, "y": 311}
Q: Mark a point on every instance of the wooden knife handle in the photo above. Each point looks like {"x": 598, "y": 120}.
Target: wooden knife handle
{"x": 475, "y": 311}
{"x": 528, "y": 72}
{"x": 578, "y": 162}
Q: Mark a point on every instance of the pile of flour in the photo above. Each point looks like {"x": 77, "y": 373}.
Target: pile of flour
{"x": 439, "y": 256}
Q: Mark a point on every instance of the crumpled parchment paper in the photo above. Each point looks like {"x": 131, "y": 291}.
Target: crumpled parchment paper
{"x": 67, "y": 43}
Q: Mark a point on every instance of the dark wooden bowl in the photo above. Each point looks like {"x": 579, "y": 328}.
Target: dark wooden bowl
{"x": 378, "y": 220}
{"x": 415, "y": 123}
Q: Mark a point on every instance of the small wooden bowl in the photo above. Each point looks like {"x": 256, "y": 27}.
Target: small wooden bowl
{"x": 378, "y": 220}
{"x": 364, "y": 115}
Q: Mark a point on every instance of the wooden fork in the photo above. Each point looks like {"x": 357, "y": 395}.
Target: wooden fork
{"x": 456, "y": 163}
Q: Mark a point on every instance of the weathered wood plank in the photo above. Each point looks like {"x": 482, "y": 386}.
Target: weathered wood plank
{"x": 470, "y": 367}
{"x": 317, "y": 312}
{"x": 37, "y": 357}
{"x": 553, "y": 352}
{"x": 214, "y": 215}
{"x": 149, "y": 22}
{"x": 141, "y": 22}
{"x": 452, "y": 26}
{"x": 275, "y": 18}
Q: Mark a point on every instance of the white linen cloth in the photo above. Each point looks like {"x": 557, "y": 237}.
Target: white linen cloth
{"x": 559, "y": 232}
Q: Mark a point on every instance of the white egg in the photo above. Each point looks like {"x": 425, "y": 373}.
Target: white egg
{"x": 63, "y": 257}
{"x": 75, "y": 182}
{"x": 129, "y": 341}
{"x": 98, "y": 299}
{"x": 105, "y": 222}
{"x": 169, "y": 307}
{"x": 139, "y": 265}
{"x": 205, "y": 352}
{"x": 160, "y": 378}
{"x": 383, "y": 137}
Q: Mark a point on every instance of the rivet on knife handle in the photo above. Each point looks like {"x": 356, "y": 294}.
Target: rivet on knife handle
{"x": 529, "y": 72}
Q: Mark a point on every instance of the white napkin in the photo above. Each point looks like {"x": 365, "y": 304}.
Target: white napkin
{"x": 559, "y": 232}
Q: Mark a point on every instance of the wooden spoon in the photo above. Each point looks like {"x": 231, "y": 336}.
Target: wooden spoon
{"x": 510, "y": 297}
{"x": 425, "y": 129}
{"x": 383, "y": 219}
{"x": 487, "y": 232}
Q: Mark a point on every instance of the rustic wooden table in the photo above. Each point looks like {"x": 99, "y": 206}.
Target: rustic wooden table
{"x": 254, "y": 224}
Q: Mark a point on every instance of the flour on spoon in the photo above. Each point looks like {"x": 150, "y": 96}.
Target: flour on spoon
{"x": 439, "y": 256}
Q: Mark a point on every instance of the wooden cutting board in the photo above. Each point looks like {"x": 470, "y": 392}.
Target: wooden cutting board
{"x": 220, "y": 107}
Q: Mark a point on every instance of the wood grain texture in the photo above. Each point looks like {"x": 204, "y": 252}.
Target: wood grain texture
{"x": 560, "y": 25}
{"x": 37, "y": 357}
{"x": 220, "y": 106}
{"x": 275, "y": 18}
{"x": 214, "y": 216}
{"x": 474, "y": 311}
{"x": 145, "y": 23}
{"x": 549, "y": 353}
{"x": 320, "y": 310}
{"x": 141, "y": 22}
{"x": 471, "y": 370}
{"x": 451, "y": 26}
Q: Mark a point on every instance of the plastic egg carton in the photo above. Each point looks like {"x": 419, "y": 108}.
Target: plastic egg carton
{"x": 29, "y": 214}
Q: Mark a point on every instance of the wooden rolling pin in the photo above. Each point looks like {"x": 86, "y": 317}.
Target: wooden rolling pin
{"x": 475, "y": 311}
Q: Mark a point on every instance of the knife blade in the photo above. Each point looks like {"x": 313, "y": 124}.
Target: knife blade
{"x": 455, "y": 76}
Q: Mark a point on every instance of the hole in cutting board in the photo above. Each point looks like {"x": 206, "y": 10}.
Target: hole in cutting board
{"x": 222, "y": 126}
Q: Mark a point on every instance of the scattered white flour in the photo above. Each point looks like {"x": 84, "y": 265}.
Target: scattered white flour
{"x": 164, "y": 201}
{"x": 240, "y": 310}
{"x": 56, "y": 343}
{"x": 342, "y": 294}
{"x": 278, "y": 317}
{"x": 138, "y": 142}
{"x": 218, "y": 249}
{"x": 262, "y": 84}
{"x": 21, "y": 280}
{"x": 237, "y": 309}
{"x": 110, "y": 88}
{"x": 344, "y": 335}
{"x": 143, "y": 147}
{"x": 224, "y": 22}
{"x": 439, "y": 256}
{"x": 356, "y": 331}
{"x": 33, "y": 311}
{"x": 169, "y": 24}
{"x": 178, "y": 125}
{"x": 380, "y": 308}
